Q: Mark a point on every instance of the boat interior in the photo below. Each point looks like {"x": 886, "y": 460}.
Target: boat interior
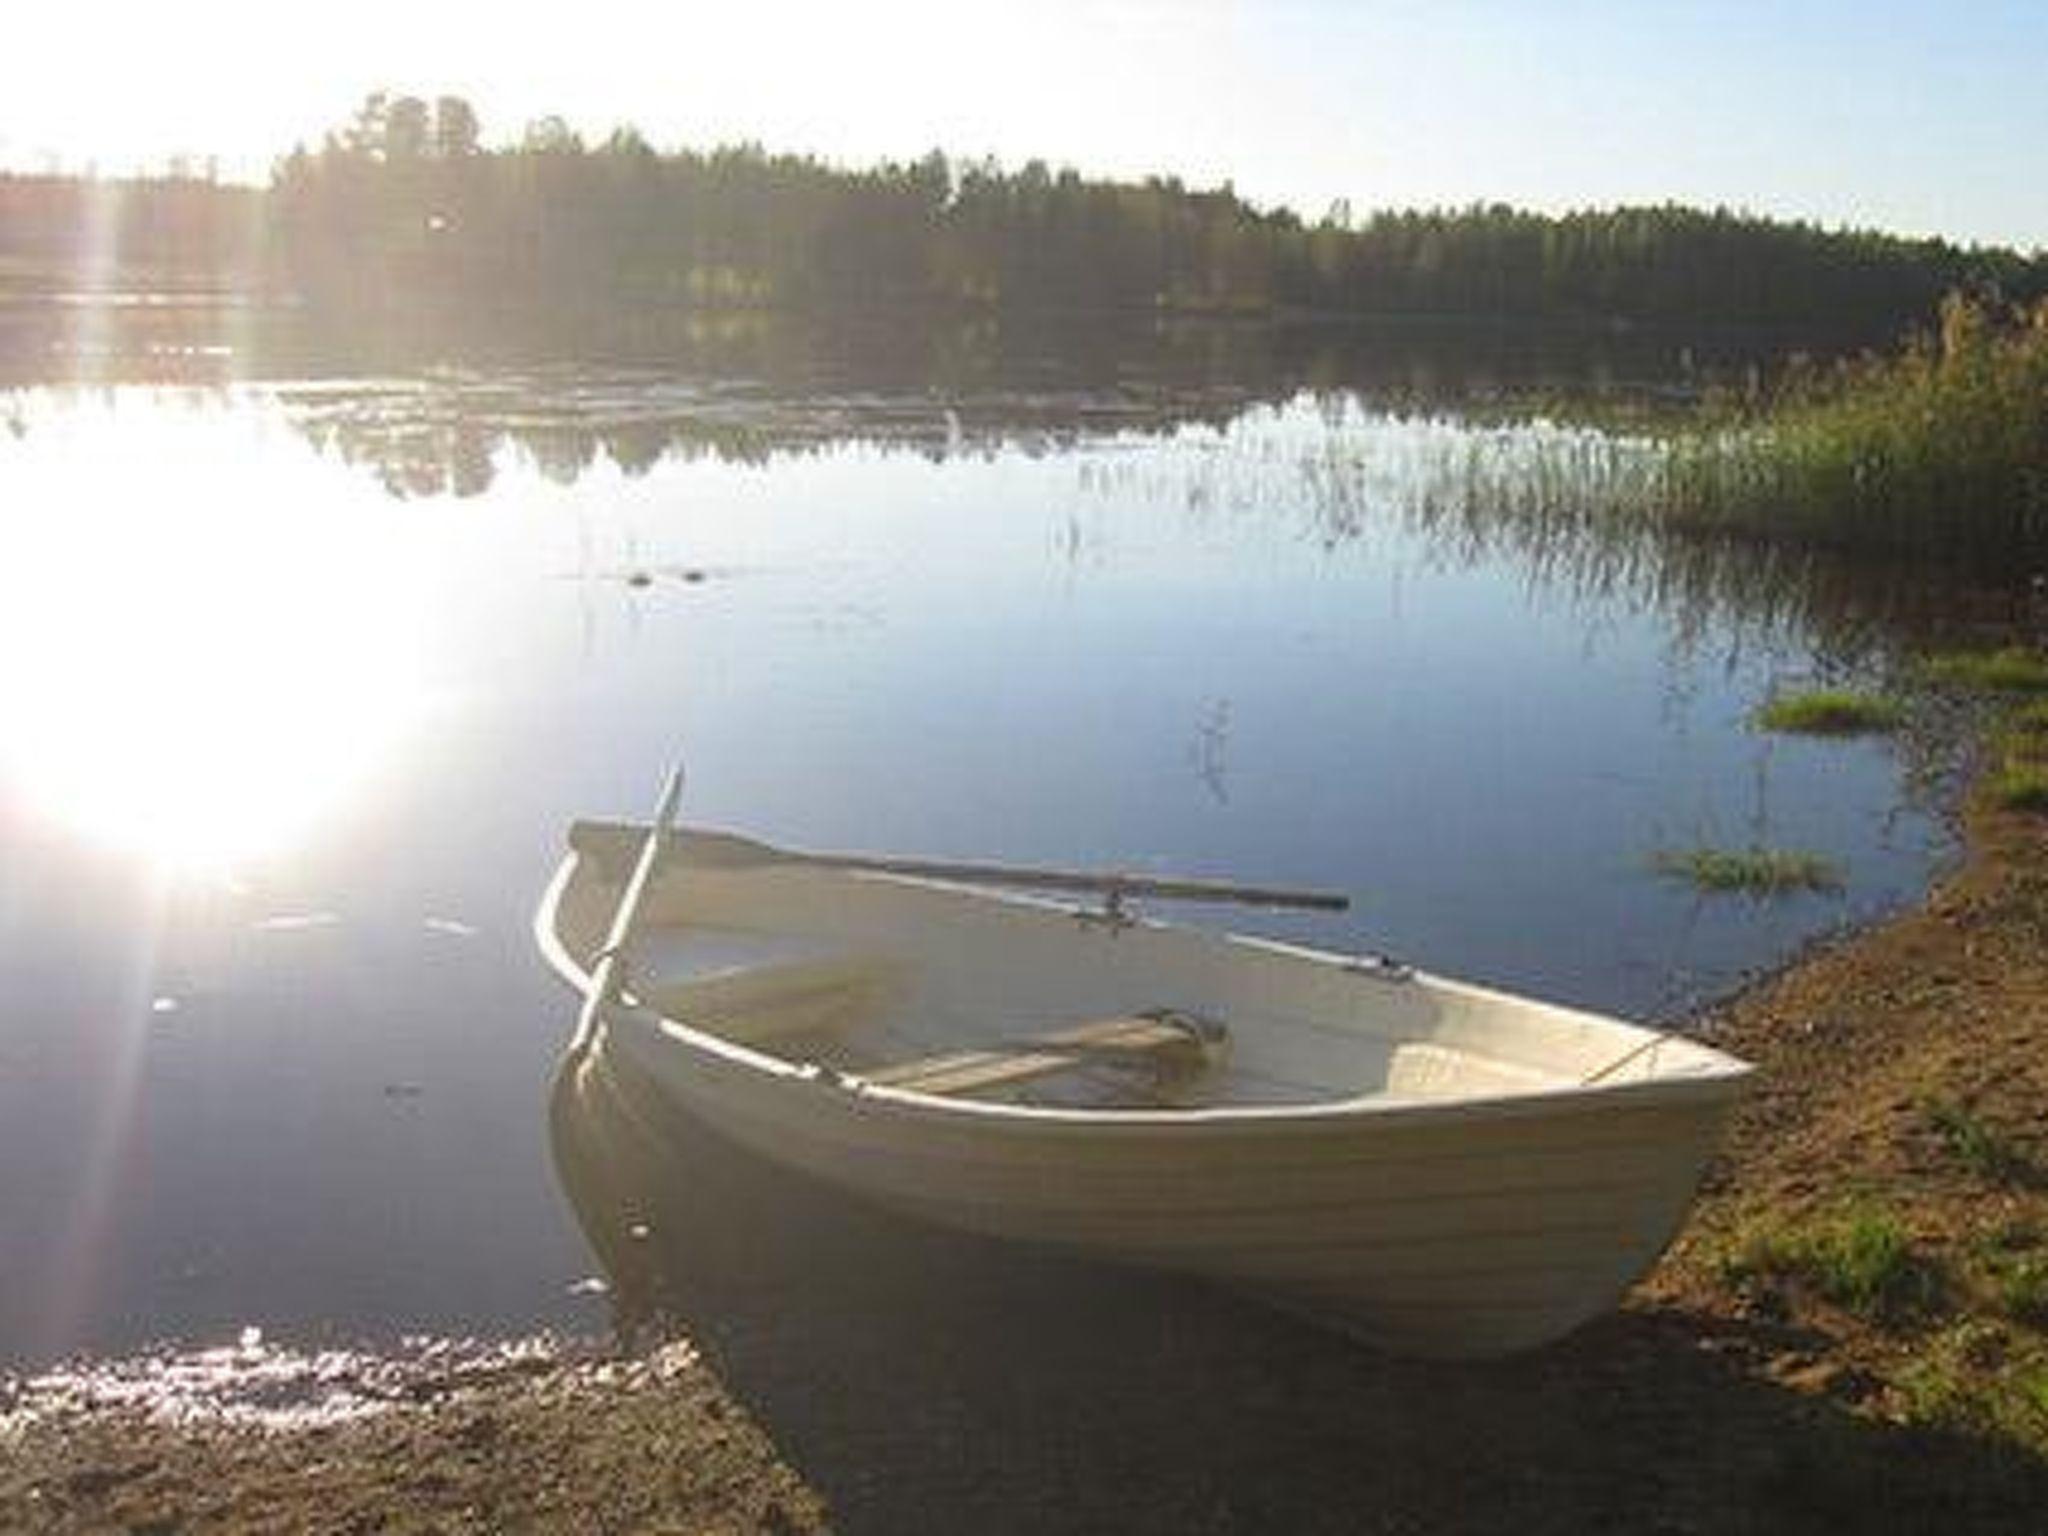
{"x": 923, "y": 988}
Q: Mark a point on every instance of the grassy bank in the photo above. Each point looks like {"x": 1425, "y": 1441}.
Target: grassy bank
{"x": 1879, "y": 1222}
{"x": 1885, "y": 1196}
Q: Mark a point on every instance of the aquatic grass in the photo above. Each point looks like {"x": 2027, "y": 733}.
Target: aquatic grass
{"x": 1749, "y": 871}
{"x": 1860, "y": 1259}
{"x": 1831, "y": 712}
{"x": 1587, "y": 511}
{"x": 2010, "y": 670}
{"x": 1938, "y": 454}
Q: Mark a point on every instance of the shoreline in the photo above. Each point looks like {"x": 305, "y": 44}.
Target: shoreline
{"x": 1903, "y": 1084}
{"x": 1738, "y": 1388}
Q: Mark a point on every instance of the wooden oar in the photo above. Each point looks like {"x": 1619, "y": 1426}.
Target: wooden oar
{"x": 609, "y": 970}
{"x": 723, "y": 850}
{"x": 579, "y": 1167}
{"x": 1112, "y": 884}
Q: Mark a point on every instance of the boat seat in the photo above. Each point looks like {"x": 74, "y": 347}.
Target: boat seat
{"x": 752, "y": 986}
{"x": 1165, "y": 1040}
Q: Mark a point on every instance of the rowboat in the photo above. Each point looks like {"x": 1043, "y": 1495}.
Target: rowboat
{"x": 1435, "y": 1167}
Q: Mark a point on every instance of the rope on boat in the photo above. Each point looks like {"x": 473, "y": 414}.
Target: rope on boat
{"x": 1641, "y": 1049}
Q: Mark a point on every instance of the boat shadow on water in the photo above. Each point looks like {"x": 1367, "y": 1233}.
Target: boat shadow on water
{"x": 922, "y": 1379}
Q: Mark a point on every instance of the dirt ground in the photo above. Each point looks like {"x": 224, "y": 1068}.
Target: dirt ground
{"x": 829, "y": 1368}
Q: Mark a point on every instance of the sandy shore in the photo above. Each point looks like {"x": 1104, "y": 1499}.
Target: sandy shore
{"x": 832, "y": 1369}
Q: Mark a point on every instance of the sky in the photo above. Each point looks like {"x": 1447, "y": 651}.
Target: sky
{"x": 1921, "y": 118}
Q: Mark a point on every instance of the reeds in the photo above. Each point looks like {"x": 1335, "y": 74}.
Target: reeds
{"x": 1937, "y": 456}
{"x": 1941, "y": 452}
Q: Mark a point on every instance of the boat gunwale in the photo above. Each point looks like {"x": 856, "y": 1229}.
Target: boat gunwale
{"x": 1719, "y": 1079}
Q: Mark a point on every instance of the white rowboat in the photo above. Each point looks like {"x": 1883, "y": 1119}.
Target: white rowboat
{"x": 1435, "y": 1167}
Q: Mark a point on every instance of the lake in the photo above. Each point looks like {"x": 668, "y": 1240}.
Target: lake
{"x": 309, "y": 658}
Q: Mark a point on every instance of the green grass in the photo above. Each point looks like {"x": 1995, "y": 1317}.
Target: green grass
{"x": 1978, "y": 1361}
{"x": 2021, "y": 787}
{"x": 2021, "y": 782}
{"x": 1967, "y": 1382}
{"x": 1748, "y": 871}
{"x": 2020, "y": 1288}
{"x": 1830, "y": 712}
{"x": 1976, "y": 1144}
{"x": 1860, "y": 1259}
{"x": 2011, "y": 670}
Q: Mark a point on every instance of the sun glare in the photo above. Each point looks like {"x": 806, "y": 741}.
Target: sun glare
{"x": 200, "y": 676}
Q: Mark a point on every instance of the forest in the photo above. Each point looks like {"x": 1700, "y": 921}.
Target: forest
{"x": 406, "y": 207}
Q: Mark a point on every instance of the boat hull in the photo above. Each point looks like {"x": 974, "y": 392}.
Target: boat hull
{"x": 1449, "y": 1227}
{"x": 1455, "y": 1231}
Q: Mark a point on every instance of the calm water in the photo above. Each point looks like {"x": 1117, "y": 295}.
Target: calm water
{"x": 300, "y": 683}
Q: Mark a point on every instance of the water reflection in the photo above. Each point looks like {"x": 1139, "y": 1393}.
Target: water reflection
{"x": 447, "y": 434}
{"x": 1339, "y": 467}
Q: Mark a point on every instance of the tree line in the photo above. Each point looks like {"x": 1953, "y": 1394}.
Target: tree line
{"x": 405, "y": 206}
{"x": 180, "y": 229}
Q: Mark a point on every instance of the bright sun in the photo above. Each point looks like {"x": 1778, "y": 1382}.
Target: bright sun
{"x": 196, "y": 680}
